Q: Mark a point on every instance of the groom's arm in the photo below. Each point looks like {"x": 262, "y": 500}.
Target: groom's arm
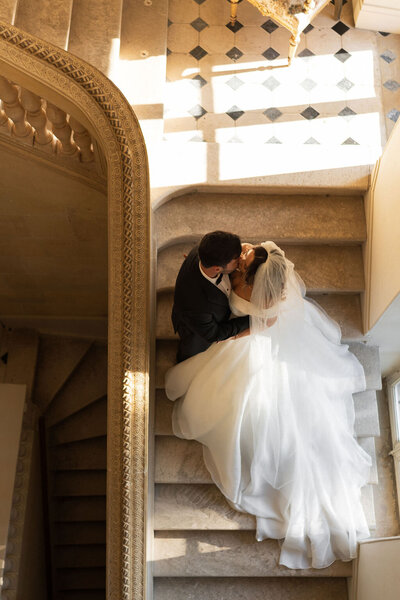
{"x": 205, "y": 325}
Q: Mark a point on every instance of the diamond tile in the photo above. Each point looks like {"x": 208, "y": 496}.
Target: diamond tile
{"x": 168, "y": 52}
{"x": 306, "y": 53}
{"x": 311, "y": 140}
{"x": 346, "y": 112}
{"x": 271, "y": 83}
{"x": 198, "y": 52}
{"x": 272, "y": 113}
{"x": 308, "y": 84}
{"x": 393, "y": 114}
{"x": 309, "y": 113}
{"x": 235, "y": 113}
{"x": 235, "y": 27}
{"x": 392, "y": 85}
{"x": 169, "y": 23}
{"x": 234, "y": 53}
{"x": 308, "y": 29}
{"x": 384, "y": 33}
{"x": 345, "y": 84}
{"x": 350, "y": 142}
{"x": 270, "y": 54}
{"x": 197, "y": 111}
{"x": 196, "y": 138}
{"x": 388, "y": 56}
{"x": 343, "y": 3}
{"x": 342, "y": 55}
{"x": 235, "y": 83}
{"x": 269, "y": 26}
{"x": 199, "y": 24}
{"x": 340, "y": 28}
{"x": 273, "y": 140}
{"x": 199, "y": 1}
{"x": 198, "y": 81}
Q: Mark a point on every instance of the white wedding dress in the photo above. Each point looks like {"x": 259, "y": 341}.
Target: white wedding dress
{"x": 275, "y": 414}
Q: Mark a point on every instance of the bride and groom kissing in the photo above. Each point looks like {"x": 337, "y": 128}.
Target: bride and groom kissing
{"x": 271, "y": 403}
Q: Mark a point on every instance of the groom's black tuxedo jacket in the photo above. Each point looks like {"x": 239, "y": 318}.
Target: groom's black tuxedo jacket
{"x": 201, "y": 311}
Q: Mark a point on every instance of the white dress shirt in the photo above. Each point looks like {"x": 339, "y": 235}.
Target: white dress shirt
{"x": 224, "y": 285}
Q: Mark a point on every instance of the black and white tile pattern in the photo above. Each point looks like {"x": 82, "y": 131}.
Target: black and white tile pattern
{"x": 229, "y": 83}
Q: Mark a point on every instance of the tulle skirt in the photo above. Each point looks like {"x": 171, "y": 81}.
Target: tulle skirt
{"x": 275, "y": 416}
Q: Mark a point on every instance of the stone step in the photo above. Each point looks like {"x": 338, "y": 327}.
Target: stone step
{"x": 87, "y": 508}
{"x": 368, "y": 355}
{"x": 368, "y": 502}
{"x": 47, "y": 19}
{"x": 72, "y": 556}
{"x": 181, "y": 461}
{"x": 79, "y": 483}
{"x": 366, "y": 413}
{"x": 81, "y": 579}
{"x": 365, "y": 407}
{"x": 92, "y": 532}
{"x": 7, "y": 10}
{"x": 95, "y": 31}
{"x": 226, "y": 554}
{"x": 343, "y": 308}
{"x": 82, "y": 595}
{"x": 196, "y": 506}
{"x": 89, "y": 422}
{"x": 203, "y": 507}
{"x": 87, "y": 384}
{"x": 322, "y": 268}
{"x": 241, "y": 588}
{"x": 284, "y": 219}
{"x": 57, "y": 359}
{"x": 81, "y": 455}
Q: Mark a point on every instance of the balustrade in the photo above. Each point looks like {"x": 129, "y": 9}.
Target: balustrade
{"x": 37, "y": 117}
{"x": 62, "y": 130}
{"x": 13, "y": 108}
{"x": 82, "y": 138}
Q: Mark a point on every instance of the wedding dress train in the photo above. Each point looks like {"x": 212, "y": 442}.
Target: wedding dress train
{"x": 274, "y": 412}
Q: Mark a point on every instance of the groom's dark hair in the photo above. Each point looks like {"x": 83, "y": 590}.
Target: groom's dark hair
{"x": 218, "y": 248}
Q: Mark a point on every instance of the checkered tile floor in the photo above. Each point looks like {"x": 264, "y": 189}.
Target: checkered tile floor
{"x": 230, "y": 84}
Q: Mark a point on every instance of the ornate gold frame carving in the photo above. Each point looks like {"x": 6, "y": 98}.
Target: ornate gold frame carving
{"x": 81, "y": 90}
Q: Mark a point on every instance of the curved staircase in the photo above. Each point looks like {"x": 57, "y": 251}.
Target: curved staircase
{"x": 203, "y": 548}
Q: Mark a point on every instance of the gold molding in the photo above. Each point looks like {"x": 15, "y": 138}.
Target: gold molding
{"x": 81, "y": 90}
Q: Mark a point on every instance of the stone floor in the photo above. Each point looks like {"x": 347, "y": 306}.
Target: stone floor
{"x": 233, "y": 85}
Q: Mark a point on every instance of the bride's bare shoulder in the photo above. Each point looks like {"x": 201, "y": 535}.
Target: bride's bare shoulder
{"x": 241, "y": 288}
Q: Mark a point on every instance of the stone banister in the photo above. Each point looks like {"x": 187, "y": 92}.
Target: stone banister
{"x": 62, "y": 130}
{"x": 13, "y": 108}
{"x": 82, "y": 138}
{"x": 36, "y": 116}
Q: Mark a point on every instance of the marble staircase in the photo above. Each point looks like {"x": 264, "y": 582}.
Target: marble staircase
{"x": 203, "y": 548}
{"x": 68, "y": 390}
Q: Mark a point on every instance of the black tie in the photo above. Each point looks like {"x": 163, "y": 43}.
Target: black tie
{"x": 219, "y": 279}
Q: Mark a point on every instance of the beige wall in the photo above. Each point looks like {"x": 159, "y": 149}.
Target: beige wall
{"x": 12, "y": 399}
{"x": 383, "y": 212}
{"x": 378, "y": 574}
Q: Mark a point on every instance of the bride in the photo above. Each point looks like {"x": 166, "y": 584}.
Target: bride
{"x": 274, "y": 412}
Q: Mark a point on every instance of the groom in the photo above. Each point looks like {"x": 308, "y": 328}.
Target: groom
{"x": 201, "y": 312}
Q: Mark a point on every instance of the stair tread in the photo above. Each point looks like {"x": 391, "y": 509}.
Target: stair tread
{"x": 89, "y": 422}
{"x": 80, "y": 509}
{"x": 80, "y": 578}
{"x": 322, "y": 268}
{"x": 194, "y": 506}
{"x": 284, "y": 219}
{"x": 79, "y": 483}
{"x": 57, "y": 359}
{"x": 80, "y": 455}
{"x": 91, "y": 37}
{"x": 259, "y": 588}
{"x": 33, "y": 17}
{"x": 71, "y": 556}
{"x": 80, "y": 532}
{"x": 226, "y": 553}
{"x": 87, "y": 384}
